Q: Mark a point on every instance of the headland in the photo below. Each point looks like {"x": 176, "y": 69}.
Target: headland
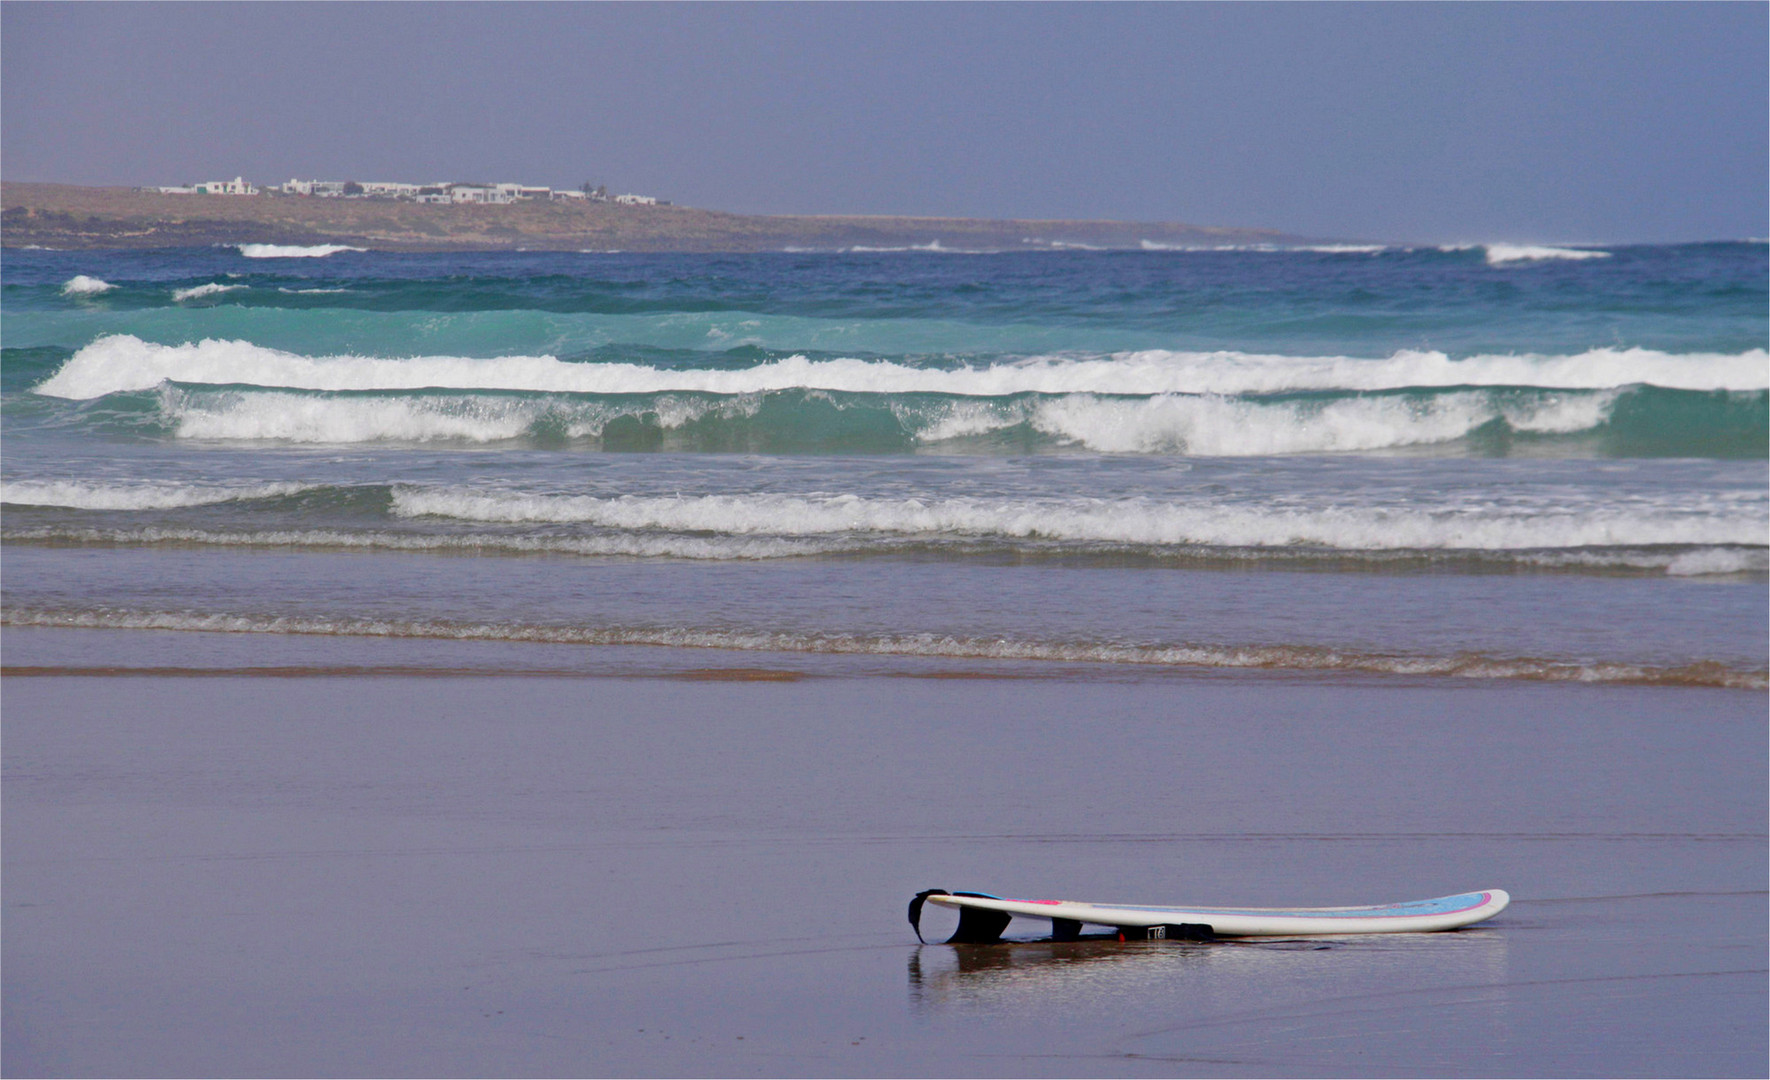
{"x": 66, "y": 216}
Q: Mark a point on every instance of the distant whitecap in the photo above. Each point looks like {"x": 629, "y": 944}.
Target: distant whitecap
{"x": 293, "y": 251}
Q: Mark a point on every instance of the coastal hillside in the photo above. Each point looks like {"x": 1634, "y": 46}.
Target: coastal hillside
{"x": 72, "y": 217}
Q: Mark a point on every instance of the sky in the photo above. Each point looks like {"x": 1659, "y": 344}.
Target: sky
{"x": 1439, "y": 122}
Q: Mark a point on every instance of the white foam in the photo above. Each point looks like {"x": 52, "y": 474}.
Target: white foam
{"x": 310, "y": 292}
{"x": 1222, "y": 426}
{"x": 293, "y": 251}
{"x": 1320, "y": 249}
{"x": 1214, "y": 425}
{"x": 1207, "y": 425}
{"x": 117, "y": 363}
{"x": 1501, "y": 254}
{"x": 88, "y": 495}
{"x": 1138, "y": 521}
{"x": 1716, "y": 561}
{"x": 932, "y": 246}
{"x": 197, "y": 292}
{"x": 82, "y": 285}
{"x": 304, "y": 418}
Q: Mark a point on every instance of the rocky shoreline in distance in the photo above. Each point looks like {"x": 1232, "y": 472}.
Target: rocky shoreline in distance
{"x": 66, "y": 216}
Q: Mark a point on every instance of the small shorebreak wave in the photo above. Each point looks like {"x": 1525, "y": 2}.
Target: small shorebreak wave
{"x": 1673, "y": 532}
{"x": 1204, "y": 657}
{"x": 1720, "y": 560}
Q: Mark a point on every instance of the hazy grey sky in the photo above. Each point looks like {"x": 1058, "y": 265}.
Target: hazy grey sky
{"x": 1436, "y": 122}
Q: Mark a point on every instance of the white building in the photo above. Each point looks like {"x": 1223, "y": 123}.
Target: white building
{"x": 388, "y": 189}
{"x": 236, "y": 186}
{"x": 636, "y": 200}
{"x": 481, "y": 193}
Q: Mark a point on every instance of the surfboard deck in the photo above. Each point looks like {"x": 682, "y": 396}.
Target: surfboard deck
{"x": 983, "y": 917}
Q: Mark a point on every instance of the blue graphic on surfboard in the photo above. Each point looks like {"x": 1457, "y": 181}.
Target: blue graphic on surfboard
{"x": 983, "y": 917}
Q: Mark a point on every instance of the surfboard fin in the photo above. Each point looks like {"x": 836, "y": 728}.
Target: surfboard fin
{"x": 979, "y": 926}
{"x": 976, "y": 926}
{"x": 916, "y": 910}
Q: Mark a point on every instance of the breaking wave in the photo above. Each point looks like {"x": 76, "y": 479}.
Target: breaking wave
{"x": 1135, "y": 521}
{"x": 1631, "y": 422}
{"x": 84, "y": 495}
{"x": 197, "y": 292}
{"x": 81, "y": 285}
{"x": 1299, "y": 658}
{"x": 1716, "y": 561}
{"x": 293, "y": 251}
{"x": 121, "y": 362}
{"x": 1501, "y": 254}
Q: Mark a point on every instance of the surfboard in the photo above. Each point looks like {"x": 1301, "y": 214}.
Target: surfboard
{"x": 983, "y": 917}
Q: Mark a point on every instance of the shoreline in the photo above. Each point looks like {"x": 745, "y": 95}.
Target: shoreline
{"x": 70, "y": 217}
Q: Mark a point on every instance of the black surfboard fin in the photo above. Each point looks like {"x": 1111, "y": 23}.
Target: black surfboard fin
{"x": 916, "y": 910}
{"x": 979, "y": 926}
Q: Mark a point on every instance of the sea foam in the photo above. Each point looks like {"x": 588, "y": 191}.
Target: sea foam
{"x": 1168, "y": 423}
{"x": 122, "y": 362}
{"x": 88, "y": 495}
{"x": 197, "y": 292}
{"x": 1139, "y": 521}
{"x": 293, "y": 251}
{"x": 82, "y": 285}
{"x": 1502, "y": 254}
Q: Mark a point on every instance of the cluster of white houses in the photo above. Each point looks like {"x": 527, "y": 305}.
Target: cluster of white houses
{"x": 423, "y": 193}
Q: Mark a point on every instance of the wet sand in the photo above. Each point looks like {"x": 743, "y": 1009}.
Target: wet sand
{"x": 601, "y": 872}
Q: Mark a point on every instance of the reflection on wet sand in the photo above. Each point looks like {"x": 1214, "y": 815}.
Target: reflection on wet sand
{"x": 941, "y": 975}
{"x": 1026, "y": 976}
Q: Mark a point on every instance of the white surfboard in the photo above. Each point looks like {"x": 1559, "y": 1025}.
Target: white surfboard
{"x": 983, "y": 917}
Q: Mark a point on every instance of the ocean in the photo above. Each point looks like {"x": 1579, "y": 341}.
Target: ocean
{"x": 570, "y": 663}
{"x": 1486, "y": 462}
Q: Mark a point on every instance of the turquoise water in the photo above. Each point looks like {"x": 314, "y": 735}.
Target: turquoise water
{"x": 1479, "y": 462}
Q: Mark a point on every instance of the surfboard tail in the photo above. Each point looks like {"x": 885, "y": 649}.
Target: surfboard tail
{"x": 977, "y": 926}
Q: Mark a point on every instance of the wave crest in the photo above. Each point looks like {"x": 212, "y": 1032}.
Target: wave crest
{"x": 1138, "y": 521}
{"x": 82, "y": 285}
{"x": 86, "y": 495}
{"x": 197, "y": 292}
{"x": 1502, "y": 254}
{"x": 119, "y": 363}
{"x": 293, "y": 251}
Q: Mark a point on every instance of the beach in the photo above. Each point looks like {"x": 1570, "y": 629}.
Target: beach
{"x": 698, "y": 871}
{"x": 520, "y": 663}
